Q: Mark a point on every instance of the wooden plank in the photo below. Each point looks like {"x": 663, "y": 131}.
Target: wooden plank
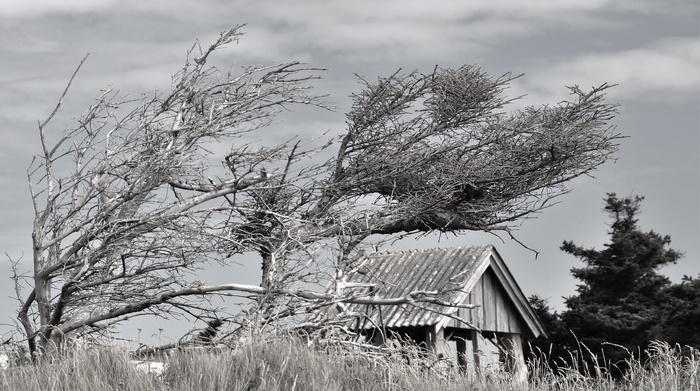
{"x": 478, "y": 299}
{"x": 513, "y": 319}
{"x": 464, "y": 313}
{"x": 482, "y": 305}
{"x": 502, "y": 307}
{"x": 490, "y": 320}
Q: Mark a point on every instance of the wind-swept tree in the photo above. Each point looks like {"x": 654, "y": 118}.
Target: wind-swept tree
{"x": 135, "y": 196}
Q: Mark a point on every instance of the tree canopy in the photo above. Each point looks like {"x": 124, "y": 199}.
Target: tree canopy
{"x": 620, "y": 284}
{"x": 137, "y": 195}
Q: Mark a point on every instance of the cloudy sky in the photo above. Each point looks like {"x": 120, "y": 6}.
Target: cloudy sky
{"x": 650, "y": 49}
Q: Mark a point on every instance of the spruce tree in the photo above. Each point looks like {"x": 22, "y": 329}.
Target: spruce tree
{"x": 622, "y": 298}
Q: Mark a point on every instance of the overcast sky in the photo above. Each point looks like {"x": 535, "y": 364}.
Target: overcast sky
{"x": 651, "y": 49}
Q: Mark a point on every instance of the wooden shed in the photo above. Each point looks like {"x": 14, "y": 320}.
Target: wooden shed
{"x": 473, "y": 276}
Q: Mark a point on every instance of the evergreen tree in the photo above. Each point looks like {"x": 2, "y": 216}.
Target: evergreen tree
{"x": 682, "y": 320}
{"x": 621, "y": 297}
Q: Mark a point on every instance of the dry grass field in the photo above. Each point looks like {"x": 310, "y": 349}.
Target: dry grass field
{"x": 287, "y": 365}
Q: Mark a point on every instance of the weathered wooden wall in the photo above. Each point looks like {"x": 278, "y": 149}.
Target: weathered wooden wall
{"x": 495, "y": 313}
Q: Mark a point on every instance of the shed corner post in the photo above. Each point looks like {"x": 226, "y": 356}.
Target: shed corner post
{"x": 435, "y": 340}
{"x": 461, "y": 344}
{"x": 476, "y": 351}
{"x": 515, "y": 359}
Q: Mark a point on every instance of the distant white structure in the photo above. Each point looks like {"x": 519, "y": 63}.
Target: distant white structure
{"x": 156, "y": 368}
{"x": 4, "y": 360}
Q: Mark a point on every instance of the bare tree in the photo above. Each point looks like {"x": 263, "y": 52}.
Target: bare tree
{"x": 130, "y": 201}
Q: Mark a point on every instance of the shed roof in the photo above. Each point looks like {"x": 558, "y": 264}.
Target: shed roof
{"x": 451, "y": 271}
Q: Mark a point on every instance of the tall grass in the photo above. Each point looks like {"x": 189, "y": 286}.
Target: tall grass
{"x": 86, "y": 369}
{"x": 290, "y": 365}
{"x": 667, "y": 369}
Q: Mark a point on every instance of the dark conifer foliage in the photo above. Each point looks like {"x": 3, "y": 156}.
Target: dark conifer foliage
{"x": 621, "y": 292}
{"x": 682, "y": 322}
{"x": 623, "y": 302}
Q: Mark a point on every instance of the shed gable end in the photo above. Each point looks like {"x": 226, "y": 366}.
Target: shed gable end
{"x": 495, "y": 311}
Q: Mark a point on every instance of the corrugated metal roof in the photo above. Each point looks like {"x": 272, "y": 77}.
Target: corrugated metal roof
{"x": 396, "y": 274}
